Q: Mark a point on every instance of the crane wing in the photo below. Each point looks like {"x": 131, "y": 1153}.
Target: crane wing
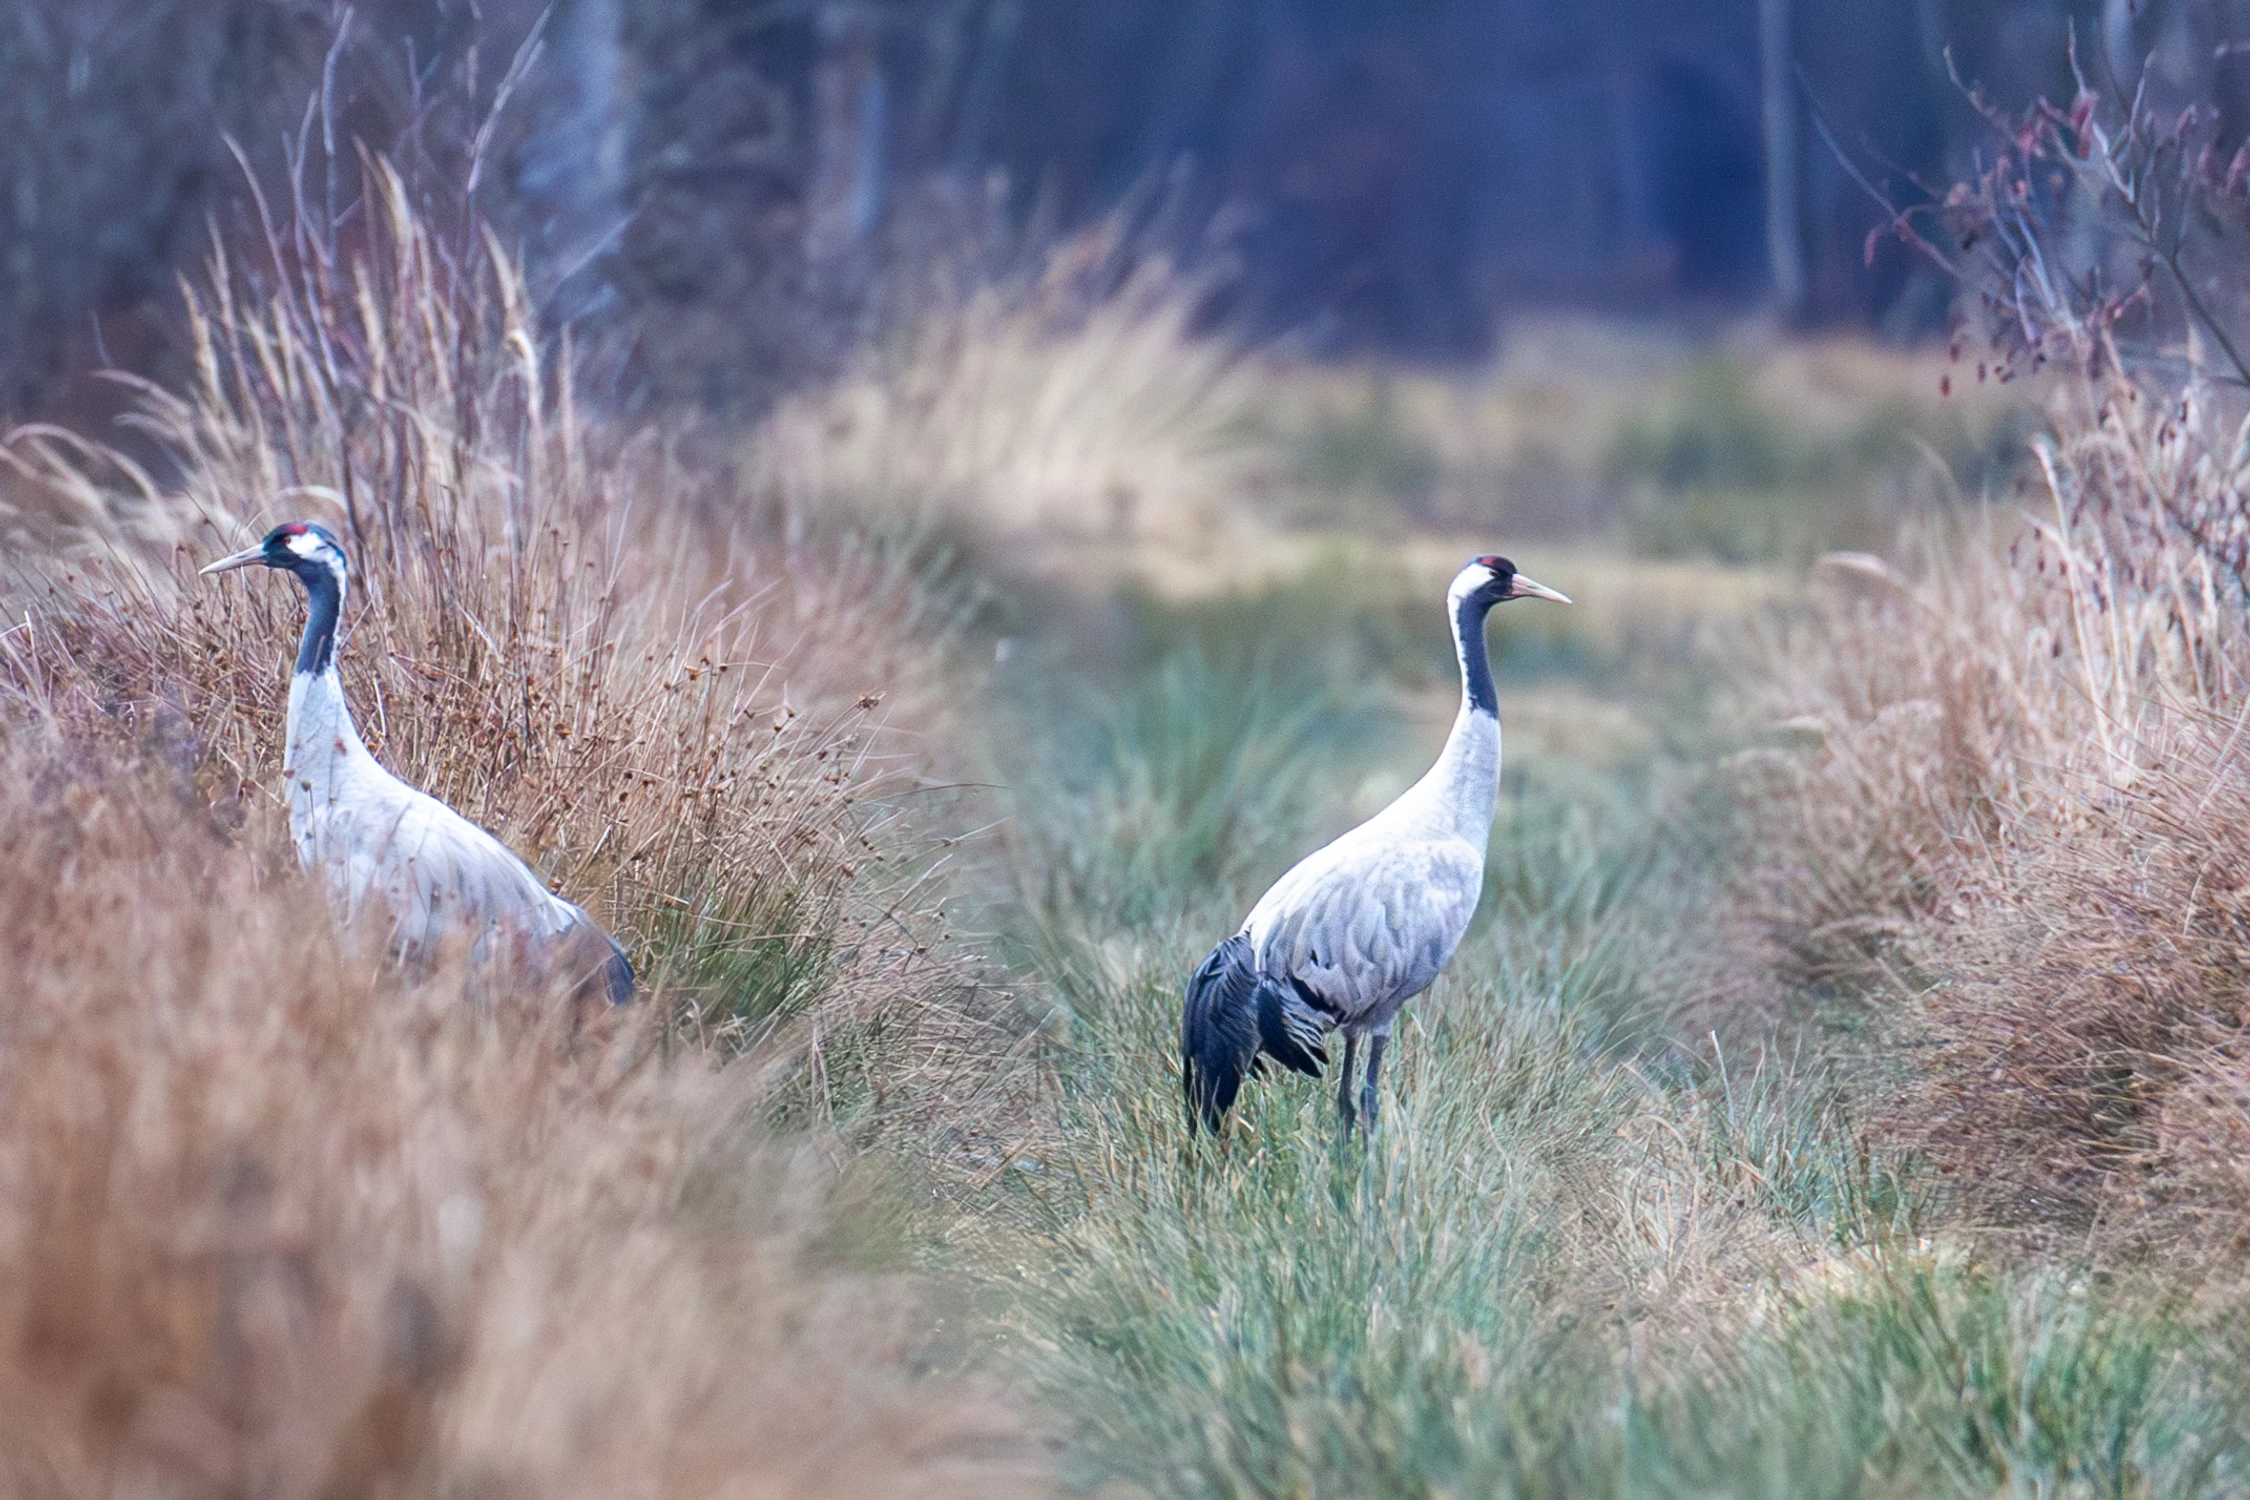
{"x": 1364, "y": 925}
{"x": 438, "y": 872}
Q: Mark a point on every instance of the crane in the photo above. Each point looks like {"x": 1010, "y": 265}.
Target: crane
{"x": 374, "y": 837}
{"x": 1362, "y": 925}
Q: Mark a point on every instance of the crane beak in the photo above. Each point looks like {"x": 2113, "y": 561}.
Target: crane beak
{"x": 242, "y": 559}
{"x": 1525, "y": 588}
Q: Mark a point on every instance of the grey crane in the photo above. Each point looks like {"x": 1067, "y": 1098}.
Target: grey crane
{"x": 375, "y": 838}
{"x": 1364, "y": 924}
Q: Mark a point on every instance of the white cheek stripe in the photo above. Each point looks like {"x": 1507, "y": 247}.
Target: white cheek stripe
{"x": 1466, "y": 582}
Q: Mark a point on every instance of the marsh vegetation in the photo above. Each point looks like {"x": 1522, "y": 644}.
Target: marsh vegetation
{"x": 1841, "y": 1091}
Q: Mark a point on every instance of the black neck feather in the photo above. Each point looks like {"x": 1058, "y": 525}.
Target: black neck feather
{"x": 324, "y": 598}
{"x": 1476, "y": 670}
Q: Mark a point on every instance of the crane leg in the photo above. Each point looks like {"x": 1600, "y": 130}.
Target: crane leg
{"x": 1344, "y": 1089}
{"x": 1367, "y": 1090}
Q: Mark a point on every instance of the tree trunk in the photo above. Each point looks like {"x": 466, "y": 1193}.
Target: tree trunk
{"x": 1785, "y": 243}
{"x": 851, "y": 106}
{"x": 570, "y": 167}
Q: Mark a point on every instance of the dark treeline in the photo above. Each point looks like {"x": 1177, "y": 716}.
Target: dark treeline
{"x": 740, "y": 182}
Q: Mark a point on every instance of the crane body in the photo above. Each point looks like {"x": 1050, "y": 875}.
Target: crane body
{"x": 1362, "y": 925}
{"x": 378, "y": 842}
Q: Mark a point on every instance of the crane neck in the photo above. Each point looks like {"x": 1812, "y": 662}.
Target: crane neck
{"x": 1477, "y": 695}
{"x": 324, "y": 606}
{"x": 322, "y": 736}
{"x": 1458, "y": 796}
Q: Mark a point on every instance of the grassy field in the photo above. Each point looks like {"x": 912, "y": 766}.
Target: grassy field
{"x": 1641, "y": 1219}
{"x": 1838, "y": 1093}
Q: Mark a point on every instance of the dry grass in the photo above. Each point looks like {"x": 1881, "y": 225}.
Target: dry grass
{"x": 2087, "y": 1054}
{"x": 684, "y": 720}
{"x": 275, "y": 1218}
{"x": 272, "y": 1223}
{"x": 1080, "y": 406}
{"x": 2023, "y": 823}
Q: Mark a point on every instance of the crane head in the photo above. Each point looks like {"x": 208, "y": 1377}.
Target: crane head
{"x": 1491, "y": 580}
{"x": 295, "y": 545}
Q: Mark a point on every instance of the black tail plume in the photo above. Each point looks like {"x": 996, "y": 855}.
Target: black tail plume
{"x": 595, "y": 961}
{"x": 1219, "y": 1031}
{"x": 1233, "y": 1021}
{"x": 617, "y": 974}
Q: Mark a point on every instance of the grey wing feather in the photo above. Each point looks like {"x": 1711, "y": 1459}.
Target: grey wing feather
{"x": 1293, "y": 1026}
{"x": 1365, "y": 933}
{"x": 439, "y": 874}
{"x": 452, "y": 876}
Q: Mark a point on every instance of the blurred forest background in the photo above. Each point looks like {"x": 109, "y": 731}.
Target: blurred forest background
{"x": 725, "y": 198}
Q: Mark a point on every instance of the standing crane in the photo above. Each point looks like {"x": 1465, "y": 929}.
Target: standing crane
{"x": 1358, "y": 928}
{"x": 373, "y": 836}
